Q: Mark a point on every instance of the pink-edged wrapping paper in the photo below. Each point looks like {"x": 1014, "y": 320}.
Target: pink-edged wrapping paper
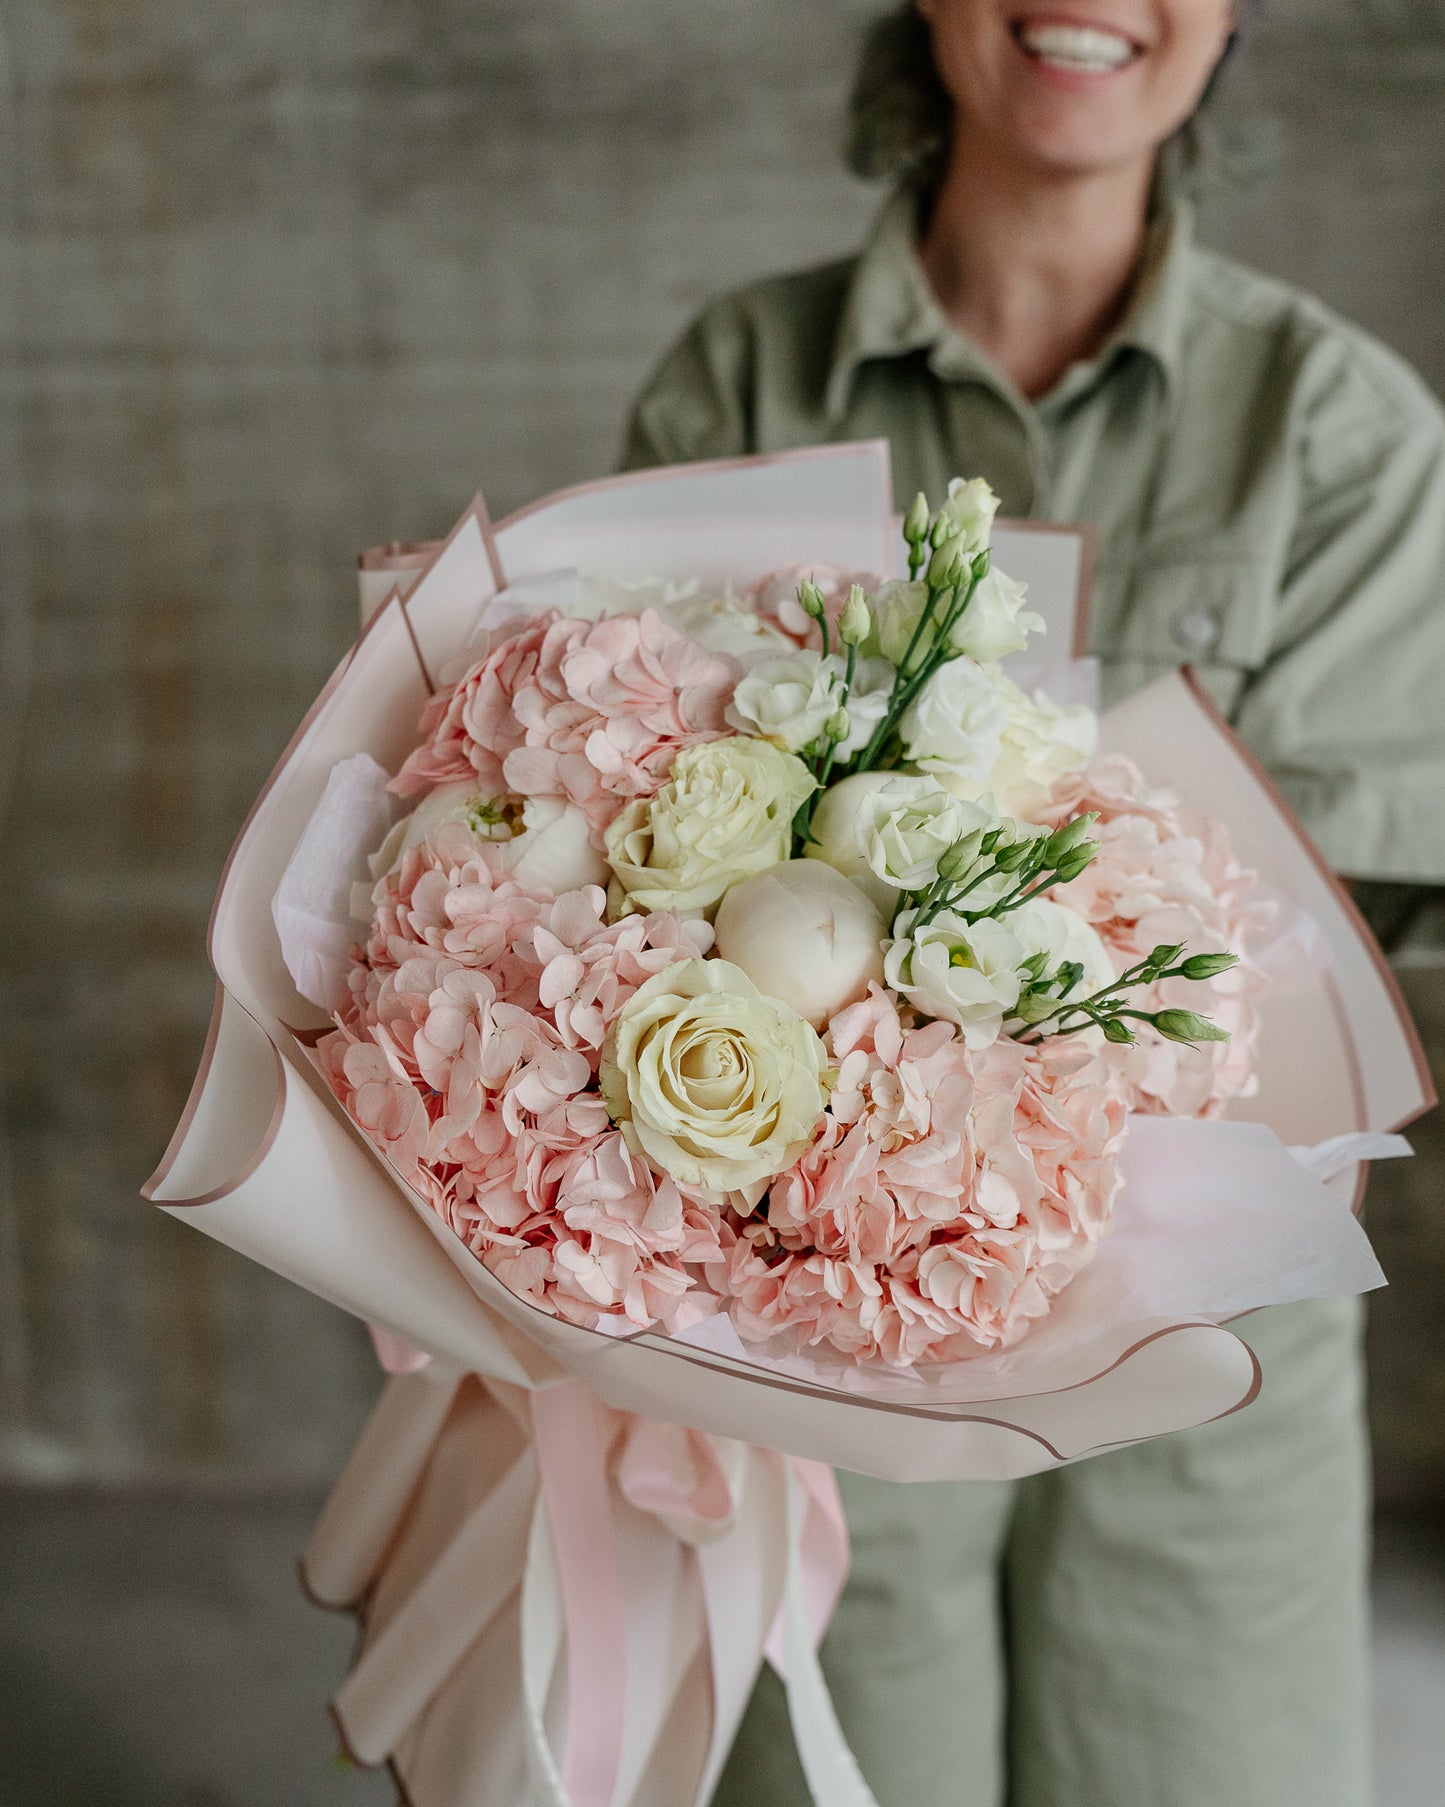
{"x": 569, "y": 1550}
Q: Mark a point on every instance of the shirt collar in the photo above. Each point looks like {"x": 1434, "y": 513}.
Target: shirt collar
{"x": 890, "y": 310}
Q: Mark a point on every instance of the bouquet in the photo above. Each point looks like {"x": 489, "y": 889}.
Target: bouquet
{"x": 769, "y": 1035}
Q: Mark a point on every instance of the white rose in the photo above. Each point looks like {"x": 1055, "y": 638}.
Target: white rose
{"x": 965, "y": 973}
{"x": 787, "y": 697}
{"x": 725, "y": 813}
{"x": 972, "y": 505}
{"x": 995, "y": 622}
{"x": 805, "y": 935}
{"x": 886, "y": 831}
{"x": 551, "y": 851}
{"x": 954, "y": 726}
{"x": 710, "y": 1081}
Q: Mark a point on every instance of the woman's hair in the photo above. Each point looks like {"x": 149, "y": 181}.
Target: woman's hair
{"x": 899, "y": 111}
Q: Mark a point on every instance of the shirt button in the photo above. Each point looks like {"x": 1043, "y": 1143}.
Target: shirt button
{"x": 1196, "y": 630}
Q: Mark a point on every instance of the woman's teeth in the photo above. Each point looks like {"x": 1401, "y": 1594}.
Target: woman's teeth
{"x": 1081, "y": 49}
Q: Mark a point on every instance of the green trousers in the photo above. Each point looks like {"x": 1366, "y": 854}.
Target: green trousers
{"x": 1178, "y": 1625}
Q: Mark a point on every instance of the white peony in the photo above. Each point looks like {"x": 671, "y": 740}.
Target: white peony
{"x": 710, "y": 1081}
{"x": 966, "y": 973}
{"x": 486, "y": 817}
{"x": 954, "y": 726}
{"x": 805, "y": 935}
{"x": 552, "y": 850}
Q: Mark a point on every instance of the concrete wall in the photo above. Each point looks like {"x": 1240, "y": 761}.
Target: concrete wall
{"x": 280, "y": 281}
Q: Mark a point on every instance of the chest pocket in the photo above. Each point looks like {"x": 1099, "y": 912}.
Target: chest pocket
{"x": 1214, "y": 614}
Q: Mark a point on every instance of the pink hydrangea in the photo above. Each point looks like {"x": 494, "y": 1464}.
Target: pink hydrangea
{"x": 775, "y": 597}
{"x": 470, "y": 727}
{"x": 1165, "y": 874}
{"x": 467, "y": 1051}
{"x": 609, "y": 706}
{"x": 948, "y": 1199}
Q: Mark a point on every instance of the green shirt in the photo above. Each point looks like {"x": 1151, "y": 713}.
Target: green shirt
{"x": 1266, "y": 484}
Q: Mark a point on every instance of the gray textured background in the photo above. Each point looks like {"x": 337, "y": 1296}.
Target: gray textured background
{"x": 280, "y": 281}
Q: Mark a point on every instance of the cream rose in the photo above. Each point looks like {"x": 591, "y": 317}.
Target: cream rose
{"x": 966, "y": 973}
{"x": 725, "y": 813}
{"x": 710, "y": 1081}
{"x": 955, "y": 725}
{"x": 805, "y": 935}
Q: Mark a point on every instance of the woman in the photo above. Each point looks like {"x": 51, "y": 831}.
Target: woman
{"x": 1182, "y": 1624}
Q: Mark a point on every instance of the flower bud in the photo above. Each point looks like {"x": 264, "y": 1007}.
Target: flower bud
{"x": 810, "y": 599}
{"x": 1208, "y": 966}
{"x": 915, "y": 522}
{"x": 855, "y": 621}
{"x": 1185, "y": 1026}
{"x": 1165, "y": 954}
{"x": 1034, "y": 1007}
{"x": 838, "y": 726}
{"x": 945, "y": 559}
{"x": 1014, "y": 856}
{"x": 958, "y": 860}
{"x": 945, "y": 528}
{"x": 1075, "y": 863}
{"x": 1116, "y": 1031}
{"x": 1064, "y": 840}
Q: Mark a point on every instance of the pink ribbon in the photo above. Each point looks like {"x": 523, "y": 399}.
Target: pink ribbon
{"x": 572, "y": 1447}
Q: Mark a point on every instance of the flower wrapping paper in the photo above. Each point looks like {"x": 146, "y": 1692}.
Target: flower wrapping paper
{"x": 570, "y": 1549}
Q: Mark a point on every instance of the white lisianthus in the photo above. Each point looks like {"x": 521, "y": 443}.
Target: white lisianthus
{"x": 972, "y": 505}
{"x": 725, "y": 813}
{"x": 1041, "y": 742}
{"x": 710, "y": 1081}
{"x": 886, "y": 831}
{"x": 868, "y": 698}
{"x": 995, "y": 622}
{"x": 897, "y": 610}
{"x": 954, "y": 726}
{"x": 805, "y": 935}
{"x": 787, "y": 697}
{"x": 1061, "y": 934}
{"x": 966, "y": 973}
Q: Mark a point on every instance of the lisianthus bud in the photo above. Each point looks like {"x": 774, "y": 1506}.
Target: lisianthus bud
{"x": 959, "y": 860}
{"x": 1208, "y": 966}
{"x": 838, "y": 726}
{"x": 1185, "y": 1026}
{"x": 915, "y": 522}
{"x": 942, "y": 567}
{"x": 810, "y": 599}
{"x": 1115, "y": 1031}
{"x": 1064, "y": 840}
{"x": 855, "y": 623}
{"x": 1166, "y": 953}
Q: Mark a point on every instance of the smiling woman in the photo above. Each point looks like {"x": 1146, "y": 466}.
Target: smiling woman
{"x": 1181, "y": 1626}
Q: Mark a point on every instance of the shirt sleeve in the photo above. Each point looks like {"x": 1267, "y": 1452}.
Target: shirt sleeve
{"x": 1347, "y": 709}
{"x": 695, "y": 404}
